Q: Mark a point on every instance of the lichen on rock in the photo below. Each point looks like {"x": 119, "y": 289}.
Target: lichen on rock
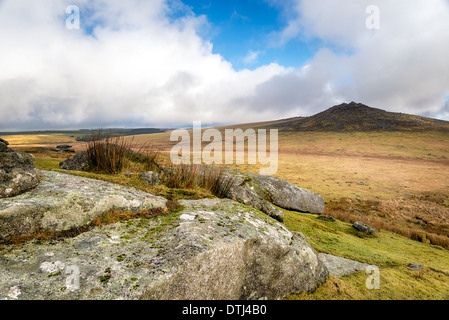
{"x": 17, "y": 171}
{"x": 63, "y": 201}
{"x": 210, "y": 249}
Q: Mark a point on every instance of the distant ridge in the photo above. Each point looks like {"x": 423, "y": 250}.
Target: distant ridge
{"x": 86, "y": 132}
{"x": 359, "y": 117}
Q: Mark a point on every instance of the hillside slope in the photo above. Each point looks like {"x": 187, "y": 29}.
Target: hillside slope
{"x": 359, "y": 117}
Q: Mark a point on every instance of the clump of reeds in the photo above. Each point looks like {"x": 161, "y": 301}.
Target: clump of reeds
{"x": 106, "y": 152}
{"x": 110, "y": 152}
{"x": 151, "y": 158}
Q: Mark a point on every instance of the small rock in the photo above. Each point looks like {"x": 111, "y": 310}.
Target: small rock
{"x": 415, "y": 267}
{"x": 129, "y": 174}
{"x": 339, "y": 266}
{"x": 66, "y": 150}
{"x": 418, "y": 221}
{"x": 63, "y": 146}
{"x": 322, "y": 217}
{"x": 362, "y": 183}
{"x": 150, "y": 177}
{"x": 50, "y": 149}
{"x": 363, "y": 227}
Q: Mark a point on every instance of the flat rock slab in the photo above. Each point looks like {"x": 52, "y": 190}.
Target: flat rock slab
{"x": 212, "y": 249}
{"x": 62, "y": 201}
{"x": 339, "y": 266}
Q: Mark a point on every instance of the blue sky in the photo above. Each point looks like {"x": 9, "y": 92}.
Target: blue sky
{"x": 242, "y": 32}
{"x": 166, "y": 63}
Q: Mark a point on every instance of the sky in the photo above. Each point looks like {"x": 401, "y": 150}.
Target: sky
{"x": 167, "y": 63}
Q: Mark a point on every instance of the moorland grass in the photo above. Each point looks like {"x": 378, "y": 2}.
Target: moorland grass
{"x": 390, "y": 164}
{"x": 390, "y": 252}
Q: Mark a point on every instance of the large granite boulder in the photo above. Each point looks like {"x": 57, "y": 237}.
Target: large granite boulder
{"x": 62, "y": 202}
{"x": 244, "y": 194}
{"x": 287, "y": 195}
{"x": 261, "y": 192}
{"x": 17, "y": 171}
{"x": 238, "y": 253}
{"x": 211, "y": 249}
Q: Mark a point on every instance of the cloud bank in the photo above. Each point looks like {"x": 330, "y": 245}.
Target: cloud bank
{"x": 144, "y": 63}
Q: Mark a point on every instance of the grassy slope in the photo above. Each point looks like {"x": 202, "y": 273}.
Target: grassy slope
{"x": 333, "y": 164}
{"x": 391, "y": 253}
{"x": 390, "y": 164}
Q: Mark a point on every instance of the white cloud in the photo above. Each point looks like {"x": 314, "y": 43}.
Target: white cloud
{"x": 403, "y": 66}
{"x": 252, "y": 56}
{"x": 138, "y": 68}
{"x": 142, "y": 67}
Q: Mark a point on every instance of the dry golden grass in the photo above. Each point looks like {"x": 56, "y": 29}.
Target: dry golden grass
{"x": 39, "y": 140}
{"x": 406, "y": 173}
{"x": 389, "y": 180}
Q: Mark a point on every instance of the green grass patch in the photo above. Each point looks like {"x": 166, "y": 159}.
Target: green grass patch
{"x": 47, "y": 164}
{"x": 397, "y": 283}
{"x": 390, "y": 252}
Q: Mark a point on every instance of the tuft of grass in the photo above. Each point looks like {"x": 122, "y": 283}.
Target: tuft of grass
{"x": 106, "y": 153}
{"x": 182, "y": 176}
{"x": 152, "y": 158}
{"x": 216, "y": 181}
{"x": 209, "y": 178}
{"x": 112, "y": 153}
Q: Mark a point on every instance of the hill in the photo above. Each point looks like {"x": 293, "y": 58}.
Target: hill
{"x": 359, "y": 117}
